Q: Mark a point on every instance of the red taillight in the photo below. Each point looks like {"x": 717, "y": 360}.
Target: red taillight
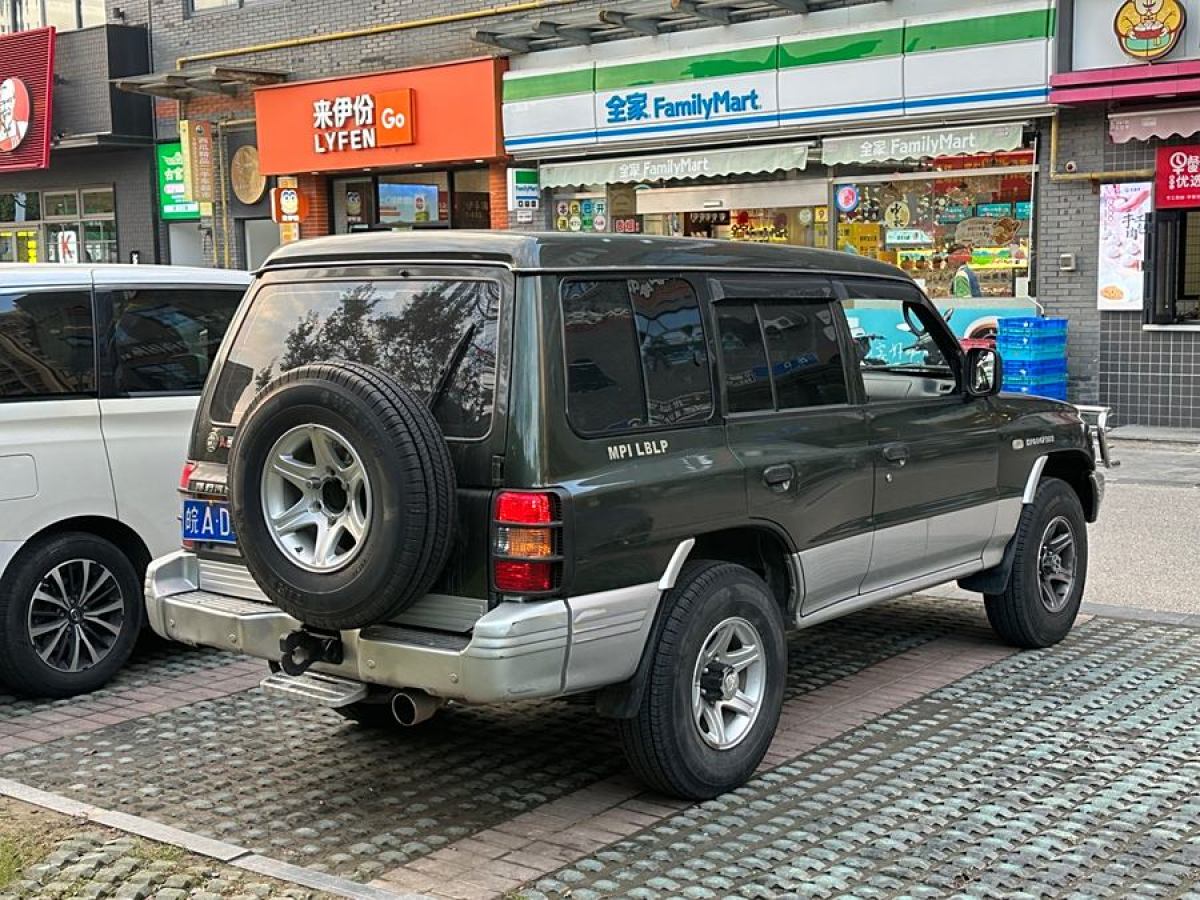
{"x": 526, "y": 542}
{"x": 524, "y": 577}
{"x": 185, "y": 477}
{"x": 522, "y": 508}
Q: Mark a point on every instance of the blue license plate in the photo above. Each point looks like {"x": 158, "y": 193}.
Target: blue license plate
{"x": 207, "y": 520}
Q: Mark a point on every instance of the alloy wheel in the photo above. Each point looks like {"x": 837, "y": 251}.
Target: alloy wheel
{"x": 75, "y": 616}
{"x": 729, "y": 683}
{"x": 1056, "y": 564}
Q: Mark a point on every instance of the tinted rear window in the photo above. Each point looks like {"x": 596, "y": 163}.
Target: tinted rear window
{"x": 636, "y": 355}
{"x": 47, "y": 344}
{"x": 412, "y": 328}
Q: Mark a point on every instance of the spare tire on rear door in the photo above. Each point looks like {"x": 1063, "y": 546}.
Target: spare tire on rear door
{"x": 342, "y": 494}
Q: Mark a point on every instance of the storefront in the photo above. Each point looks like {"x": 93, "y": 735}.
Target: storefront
{"x": 74, "y": 158}
{"x": 415, "y": 148}
{"x": 1126, "y": 174}
{"x": 912, "y": 139}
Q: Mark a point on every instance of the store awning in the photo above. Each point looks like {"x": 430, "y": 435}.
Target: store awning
{"x": 1153, "y": 123}
{"x": 184, "y": 85}
{"x": 928, "y": 142}
{"x": 673, "y": 166}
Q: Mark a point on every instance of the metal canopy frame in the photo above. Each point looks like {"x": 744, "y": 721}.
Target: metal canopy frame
{"x": 642, "y": 18}
{"x": 185, "y": 85}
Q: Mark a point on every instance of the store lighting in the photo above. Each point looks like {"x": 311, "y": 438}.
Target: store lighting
{"x": 713, "y": 204}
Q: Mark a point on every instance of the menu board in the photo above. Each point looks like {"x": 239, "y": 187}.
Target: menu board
{"x": 1123, "y": 211}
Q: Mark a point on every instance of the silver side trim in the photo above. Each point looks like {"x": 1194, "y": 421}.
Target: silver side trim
{"x": 871, "y": 598}
{"x": 1035, "y": 475}
{"x": 608, "y": 632}
{"x": 323, "y": 690}
{"x": 442, "y": 612}
{"x": 678, "y": 558}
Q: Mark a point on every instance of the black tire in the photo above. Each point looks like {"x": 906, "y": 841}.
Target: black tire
{"x": 115, "y": 600}
{"x": 410, "y": 525}
{"x": 1020, "y": 615}
{"x": 663, "y": 742}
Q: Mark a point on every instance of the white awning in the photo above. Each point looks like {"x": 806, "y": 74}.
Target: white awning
{"x": 1153, "y": 123}
{"x": 928, "y": 142}
{"x": 709, "y": 197}
{"x": 673, "y": 166}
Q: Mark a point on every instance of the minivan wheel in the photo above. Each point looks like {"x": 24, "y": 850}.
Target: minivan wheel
{"x": 70, "y": 613}
{"x": 1045, "y": 588}
{"x": 715, "y": 688}
{"x": 342, "y": 494}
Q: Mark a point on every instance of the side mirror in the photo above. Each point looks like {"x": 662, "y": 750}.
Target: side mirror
{"x": 983, "y": 372}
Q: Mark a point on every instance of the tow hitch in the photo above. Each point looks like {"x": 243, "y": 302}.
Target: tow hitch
{"x": 301, "y": 649}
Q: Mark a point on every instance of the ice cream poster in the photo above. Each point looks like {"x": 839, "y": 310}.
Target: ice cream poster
{"x": 1123, "y": 211}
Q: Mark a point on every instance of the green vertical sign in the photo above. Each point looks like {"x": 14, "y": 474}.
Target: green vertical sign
{"x": 171, "y": 205}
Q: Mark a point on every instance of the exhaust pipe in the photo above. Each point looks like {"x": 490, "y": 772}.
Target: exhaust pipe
{"x": 414, "y": 707}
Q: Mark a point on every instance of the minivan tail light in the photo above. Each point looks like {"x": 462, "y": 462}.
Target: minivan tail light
{"x": 527, "y": 534}
{"x": 185, "y": 477}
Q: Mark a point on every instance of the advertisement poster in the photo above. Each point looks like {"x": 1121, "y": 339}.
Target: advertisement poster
{"x": 1123, "y": 211}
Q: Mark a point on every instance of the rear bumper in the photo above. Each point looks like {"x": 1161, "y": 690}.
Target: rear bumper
{"x": 515, "y": 651}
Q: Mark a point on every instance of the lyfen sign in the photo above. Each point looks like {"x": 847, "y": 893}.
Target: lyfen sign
{"x": 26, "y": 90}
{"x": 1177, "y": 177}
{"x": 362, "y": 122}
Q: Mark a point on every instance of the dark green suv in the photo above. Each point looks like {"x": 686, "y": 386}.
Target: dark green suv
{"x": 481, "y": 467}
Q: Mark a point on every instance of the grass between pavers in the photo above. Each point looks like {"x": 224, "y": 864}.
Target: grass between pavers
{"x": 40, "y": 850}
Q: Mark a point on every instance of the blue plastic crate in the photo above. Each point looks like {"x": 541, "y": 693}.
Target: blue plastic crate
{"x": 1031, "y": 351}
{"x": 1033, "y": 325}
{"x": 1033, "y": 368}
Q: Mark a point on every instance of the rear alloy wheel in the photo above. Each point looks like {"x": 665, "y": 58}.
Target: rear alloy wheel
{"x": 714, "y": 691}
{"x": 1039, "y": 605}
{"x": 71, "y": 610}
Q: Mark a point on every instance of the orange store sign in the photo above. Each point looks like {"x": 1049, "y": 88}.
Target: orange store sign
{"x": 372, "y": 120}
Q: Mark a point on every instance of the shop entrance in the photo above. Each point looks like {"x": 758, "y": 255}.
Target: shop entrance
{"x": 415, "y": 199}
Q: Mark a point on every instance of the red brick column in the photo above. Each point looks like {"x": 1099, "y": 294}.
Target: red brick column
{"x": 498, "y": 194}
{"x": 316, "y": 222}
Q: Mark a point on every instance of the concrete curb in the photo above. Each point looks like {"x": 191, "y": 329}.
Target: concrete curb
{"x": 229, "y": 854}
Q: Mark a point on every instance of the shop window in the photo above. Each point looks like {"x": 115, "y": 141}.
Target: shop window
{"x": 413, "y": 329}
{"x": 98, "y": 202}
{"x": 47, "y": 347}
{"x": 100, "y": 241}
{"x": 203, "y": 5}
{"x": 60, "y": 204}
{"x": 62, "y": 243}
{"x": 65, "y": 15}
{"x": 962, "y": 232}
{"x": 1173, "y": 268}
{"x": 780, "y": 355}
{"x": 419, "y": 198}
{"x": 636, "y": 355}
{"x": 165, "y": 340}
{"x": 20, "y": 206}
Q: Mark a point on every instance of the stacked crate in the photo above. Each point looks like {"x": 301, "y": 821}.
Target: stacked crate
{"x": 1034, "y": 354}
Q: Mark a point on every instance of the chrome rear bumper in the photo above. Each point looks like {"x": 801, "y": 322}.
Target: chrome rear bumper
{"x": 515, "y": 651}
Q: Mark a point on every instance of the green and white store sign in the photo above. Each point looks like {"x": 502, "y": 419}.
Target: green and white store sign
{"x": 995, "y": 56}
{"x": 171, "y": 205}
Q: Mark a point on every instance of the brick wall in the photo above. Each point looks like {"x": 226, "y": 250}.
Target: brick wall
{"x": 1148, "y": 377}
{"x": 316, "y": 222}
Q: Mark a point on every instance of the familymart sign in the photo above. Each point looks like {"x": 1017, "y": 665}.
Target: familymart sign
{"x": 985, "y": 57}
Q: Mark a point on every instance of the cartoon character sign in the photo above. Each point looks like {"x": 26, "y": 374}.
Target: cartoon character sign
{"x": 1149, "y": 29}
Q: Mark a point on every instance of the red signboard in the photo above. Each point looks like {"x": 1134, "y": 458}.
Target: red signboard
{"x": 26, "y": 93}
{"x": 1177, "y": 177}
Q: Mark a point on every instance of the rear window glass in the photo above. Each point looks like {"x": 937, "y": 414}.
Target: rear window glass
{"x": 414, "y": 329}
{"x": 47, "y": 344}
{"x": 636, "y": 354}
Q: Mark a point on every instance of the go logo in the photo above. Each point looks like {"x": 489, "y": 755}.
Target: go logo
{"x": 394, "y": 115}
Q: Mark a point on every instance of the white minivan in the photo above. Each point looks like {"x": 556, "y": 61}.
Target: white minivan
{"x": 100, "y": 371}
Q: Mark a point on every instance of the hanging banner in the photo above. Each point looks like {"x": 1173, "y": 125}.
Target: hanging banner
{"x": 1123, "y": 212}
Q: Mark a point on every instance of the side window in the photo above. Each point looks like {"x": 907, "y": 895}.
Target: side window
{"x": 780, "y": 355}
{"x": 47, "y": 344}
{"x": 164, "y": 339}
{"x": 903, "y": 349}
{"x": 636, "y": 354}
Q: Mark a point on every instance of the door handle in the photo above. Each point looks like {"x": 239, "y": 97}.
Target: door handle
{"x": 778, "y": 478}
{"x": 896, "y": 453}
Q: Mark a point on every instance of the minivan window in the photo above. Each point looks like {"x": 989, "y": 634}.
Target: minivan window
{"x": 410, "y": 328}
{"x": 47, "y": 344}
{"x": 165, "y": 339}
{"x": 636, "y": 354}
